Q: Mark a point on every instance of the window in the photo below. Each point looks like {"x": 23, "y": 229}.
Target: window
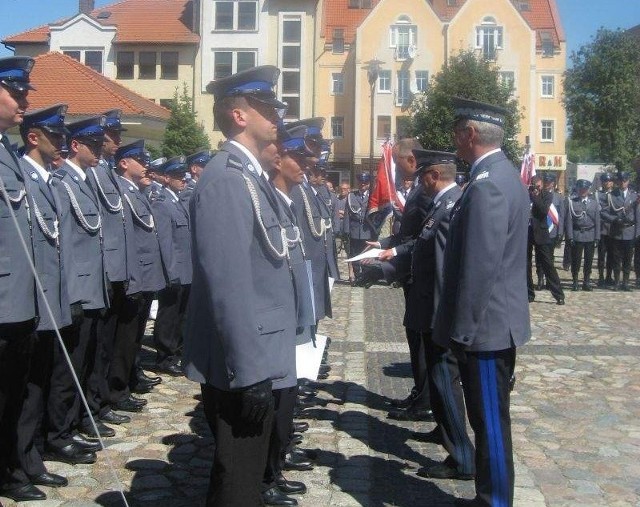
{"x": 337, "y": 127}
{"x": 548, "y": 48}
{"x": 226, "y": 63}
{"x": 291, "y": 62}
{"x": 92, "y": 58}
{"x": 73, "y": 54}
{"x": 547, "y": 131}
{"x": 338, "y": 41}
{"x": 337, "y": 83}
{"x": 240, "y": 16}
{"x": 169, "y": 65}
{"x": 422, "y": 80}
{"x": 359, "y": 4}
{"x": 124, "y": 65}
{"x": 383, "y": 130}
{"x": 524, "y": 5}
{"x": 489, "y": 38}
{"x": 147, "y": 65}
{"x": 402, "y": 36}
{"x": 403, "y": 91}
{"x": 548, "y": 86}
{"x": 508, "y": 79}
{"x": 384, "y": 81}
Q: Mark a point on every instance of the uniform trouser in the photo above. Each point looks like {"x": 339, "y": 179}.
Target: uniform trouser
{"x": 166, "y": 332}
{"x": 485, "y": 381}
{"x": 576, "y": 259}
{"x": 545, "y": 253}
{"x": 16, "y": 346}
{"x": 636, "y": 260}
{"x": 530, "y": 287}
{"x": 32, "y": 421}
{"x": 240, "y": 453}
{"x": 125, "y": 348}
{"x": 447, "y": 403}
{"x": 622, "y": 257}
{"x": 143, "y": 316}
{"x": 98, "y": 395}
{"x": 417, "y": 355}
{"x": 605, "y": 257}
{"x": 64, "y": 405}
{"x": 284, "y": 404}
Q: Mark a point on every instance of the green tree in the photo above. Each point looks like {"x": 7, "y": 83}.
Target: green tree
{"x": 602, "y": 96}
{"x": 471, "y": 77}
{"x": 183, "y": 135}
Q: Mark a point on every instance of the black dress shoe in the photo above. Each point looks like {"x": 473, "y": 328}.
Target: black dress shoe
{"x": 48, "y": 479}
{"x": 405, "y": 402}
{"x": 142, "y": 388}
{"x": 138, "y": 401}
{"x": 170, "y": 369}
{"x": 295, "y": 463}
{"x": 23, "y": 493}
{"x": 71, "y": 454}
{"x": 300, "y": 427}
{"x": 586, "y": 287}
{"x": 86, "y": 445}
{"x": 274, "y": 496}
{"x": 143, "y": 377}
{"x": 305, "y": 403}
{"x": 290, "y": 487}
{"x": 296, "y": 439}
{"x": 307, "y": 391}
{"x": 128, "y": 405}
{"x": 322, "y": 376}
{"x": 104, "y": 430}
{"x": 411, "y": 414}
{"x": 560, "y": 302}
{"x": 432, "y": 437}
{"x": 303, "y": 454}
{"x": 112, "y": 418}
{"x": 324, "y": 368}
{"x": 444, "y": 471}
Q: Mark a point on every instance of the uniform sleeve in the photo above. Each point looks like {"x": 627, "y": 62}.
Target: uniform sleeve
{"x": 598, "y": 224}
{"x": 165, "y": 238}
{"x": 568, "y": 229}
{"x": 485, "y": 227}
{"x": 562, "y": 213}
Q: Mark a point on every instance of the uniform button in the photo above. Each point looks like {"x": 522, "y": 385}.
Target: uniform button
{"x": 465, "y": 339}
{"x": 259, "y": 327}
{"x": 231, "y": 375}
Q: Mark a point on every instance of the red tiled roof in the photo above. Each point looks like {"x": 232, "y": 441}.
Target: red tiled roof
{"x": 542, "y": 16}
{"x": 60, "y": 78}
{"x": 138, "y": 21}
{"x": 338, "y": 15}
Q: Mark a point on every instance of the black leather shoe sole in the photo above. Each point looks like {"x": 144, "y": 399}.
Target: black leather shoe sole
{"x": 299, "y": 466}
{"x": 273, "y": 496}
{"x": 73, "y": 458}
{"x": 48, "y": 479}
{"x": 291, "y": 487}
{"x": 23, "y": 493}
{"x": 113, "y": 418}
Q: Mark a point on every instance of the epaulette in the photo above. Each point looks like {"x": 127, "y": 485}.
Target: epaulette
{"x": 59, "y": 173}
{"x": 234, "y": 162}
{"x": 156, "y": 196}
{"x": 482, "y": 175}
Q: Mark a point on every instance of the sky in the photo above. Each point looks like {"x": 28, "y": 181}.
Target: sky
{"x": 580, "y": 18}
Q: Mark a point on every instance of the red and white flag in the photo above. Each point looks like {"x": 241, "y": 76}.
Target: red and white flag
{"x": 528, "y": 168}
{"x": 383, "y": 195}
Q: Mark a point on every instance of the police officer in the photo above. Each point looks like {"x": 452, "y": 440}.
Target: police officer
{"x": 82, "y": 257}
{"x": 356, "y": 223}
{"x": 436, "y": 171}
{"x": 120, "y": 265}
{"x": 583, "y": 232}
{"x": 314, "y": 219}
{"x": 172, "y": 222}
{"x": 196, "y": 163}
{"x": 42, "y": 133}
{"x": 483, "y": 313}
{"x": 622, "y": 214}
{"x": 17, "y": 301}
{"x": 242, "y": 294}
{"x": 605, "y": 245}
{"x": 545, "y": 229}
{"x": 131, "y": 162}
{"x": 557, "y": 229}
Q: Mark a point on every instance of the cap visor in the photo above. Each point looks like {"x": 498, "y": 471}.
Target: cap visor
{"x": 275, "y": 103}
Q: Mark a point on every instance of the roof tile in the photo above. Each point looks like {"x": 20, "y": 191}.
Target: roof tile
{"x": 60, "y": 78}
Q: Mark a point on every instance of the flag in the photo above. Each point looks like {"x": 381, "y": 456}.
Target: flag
{"x": 383, "y": 195}
{"x": 552, "y": 217}
{"x": 528, "y": 168}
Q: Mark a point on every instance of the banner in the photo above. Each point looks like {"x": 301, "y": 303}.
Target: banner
{"x": 528, "y": 168}
{"x": 383, "y": 195}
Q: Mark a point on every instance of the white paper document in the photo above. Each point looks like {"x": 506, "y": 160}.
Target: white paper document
{"x": 369, "y": 254}
{"x": 308, "y": 357}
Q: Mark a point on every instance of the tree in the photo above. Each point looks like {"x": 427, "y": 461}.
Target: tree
{"x": 602, "y": 96}
{"x": 183, "y": 134}
{"x": 471, "y": 77}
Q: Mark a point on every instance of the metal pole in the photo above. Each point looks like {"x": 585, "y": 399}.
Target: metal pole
{"x": 371, "y": 88}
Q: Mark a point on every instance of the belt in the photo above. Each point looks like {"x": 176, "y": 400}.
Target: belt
{"x": 583, "y": 229}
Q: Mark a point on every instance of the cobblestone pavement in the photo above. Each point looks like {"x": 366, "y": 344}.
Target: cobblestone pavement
{"x": 575, "y": 411}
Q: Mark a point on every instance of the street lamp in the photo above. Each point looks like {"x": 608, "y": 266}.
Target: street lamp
{"x": 373, "y": 71}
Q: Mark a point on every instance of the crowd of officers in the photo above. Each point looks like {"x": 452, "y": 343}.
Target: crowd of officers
{"x": 107, "y": 231}
{"x": 602, "y": 220}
